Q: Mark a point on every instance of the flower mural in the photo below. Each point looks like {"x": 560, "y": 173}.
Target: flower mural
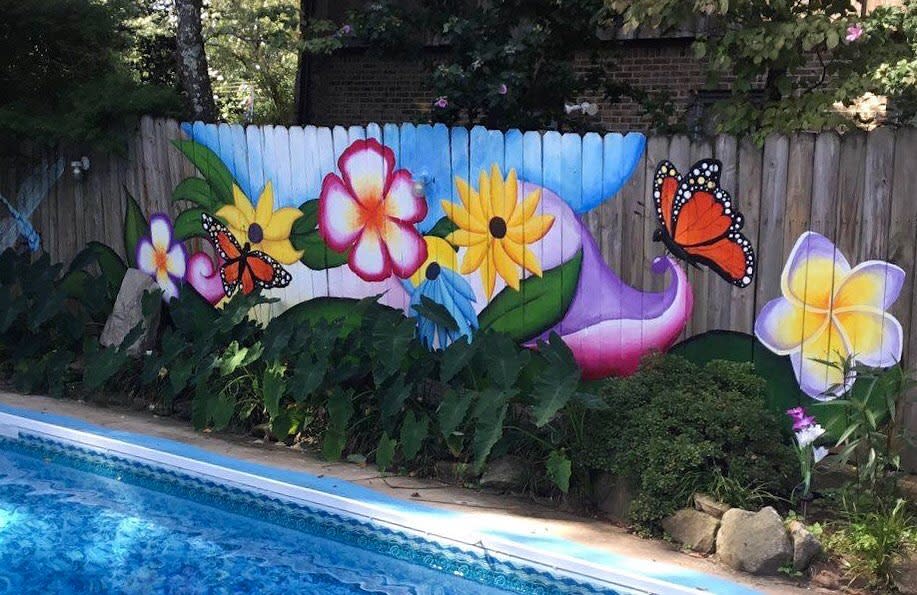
{"x": 261, "y": 227}
{"x": 371, "y": 211}
{"x": 204, "y": 276}
{"x": 438, "y": 280}
{"x": 161, "y": 257}
{"x": 830, "y": 311}
{"x": 508, "y": 255}
{"x": 496, "y": 229}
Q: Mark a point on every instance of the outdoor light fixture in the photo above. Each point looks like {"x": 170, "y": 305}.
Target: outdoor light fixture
{"x": 590, "y": 109}
{"x": 420, "y": 184}
{"x": 80, "y": 167}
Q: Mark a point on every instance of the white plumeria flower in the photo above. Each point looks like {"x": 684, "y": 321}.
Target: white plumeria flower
{"x": 809, "y": 434}
{"x": 160, "y": 257}
{"x": 819, "y": 453}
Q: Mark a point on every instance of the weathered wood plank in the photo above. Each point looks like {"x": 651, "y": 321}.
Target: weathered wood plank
{"x": 773, "y": 207}
{"x": 825, "y": 170}
{"x": 850, "y": 192}
{"x": 798, "y": 188}
{"x": 878, "y": 179}
{"x": 726, "y": 150}
{"x": 743, "y": 309}
{"x": 701, "y": 280}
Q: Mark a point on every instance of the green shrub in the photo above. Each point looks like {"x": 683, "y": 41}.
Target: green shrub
{"x": 871, "y": 543}
{"x": 47, "y": 318}
{"x": 674, "y": 428}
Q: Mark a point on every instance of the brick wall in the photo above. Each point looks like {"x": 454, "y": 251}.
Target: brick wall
{"x": 356, "y": 87}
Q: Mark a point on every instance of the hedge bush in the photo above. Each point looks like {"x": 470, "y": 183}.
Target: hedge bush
{"x": 675, "y": 428}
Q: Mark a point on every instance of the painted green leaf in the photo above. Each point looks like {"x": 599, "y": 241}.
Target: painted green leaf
{"x": 211, "y": 167}
{"x": 443, "y": 227}
{"x": 347, "y": 312}
{"x": 385, "y": 452}
{"x": 540, "y": 303}
{"x": 452, "y": 411}
{"x": 199, "y": 192}
{"x": 188, "y": 224}
{"x": 135, "y": 227}
{"x": 559, "y": 470}
{"x": 413, "y": 433}
{"x": 304, "y": 236}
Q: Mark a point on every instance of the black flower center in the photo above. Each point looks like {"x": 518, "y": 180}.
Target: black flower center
{"x": 255, "y": 233}
{"x": 433, "y": 271}
{"x": 497, "y": 227}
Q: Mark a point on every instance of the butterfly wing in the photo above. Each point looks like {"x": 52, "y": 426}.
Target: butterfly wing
{"x": 265, "y": 272}
{"x": 706, "y": 225}
{"x": 665, "y": 187}
{"x": 229, "y": 250}
{"x": 731, "y": 257}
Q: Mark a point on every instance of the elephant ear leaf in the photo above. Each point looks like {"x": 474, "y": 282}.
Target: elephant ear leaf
{"x": 215, "y": 172}
{"x": 135, "y": 227}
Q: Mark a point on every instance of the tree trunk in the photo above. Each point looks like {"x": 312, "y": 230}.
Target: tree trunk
{"x": 303, "y": 89}
{"x": 192, "y": 60}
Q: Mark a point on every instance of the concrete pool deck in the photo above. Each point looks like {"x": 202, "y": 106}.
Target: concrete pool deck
{"x": 499, "y": 513}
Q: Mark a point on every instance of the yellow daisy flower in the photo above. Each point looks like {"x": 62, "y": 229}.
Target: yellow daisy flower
{"x": 496, "y": 228}
{"x": 261, "y": 227}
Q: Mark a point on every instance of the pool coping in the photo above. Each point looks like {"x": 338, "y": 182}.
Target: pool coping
{"x": 552, "y": 554}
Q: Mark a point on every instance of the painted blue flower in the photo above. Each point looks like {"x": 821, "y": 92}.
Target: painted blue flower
{"x": 448, "y": 289}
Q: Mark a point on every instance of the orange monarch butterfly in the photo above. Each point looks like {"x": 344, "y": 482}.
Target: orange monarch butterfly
{"x": 243, "y": 266}
{"x": 699, "y": 221}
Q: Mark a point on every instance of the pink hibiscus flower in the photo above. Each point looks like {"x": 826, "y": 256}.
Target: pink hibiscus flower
{"x": 372, "y": 211}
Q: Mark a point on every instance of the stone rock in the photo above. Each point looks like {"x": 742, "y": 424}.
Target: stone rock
{"x": 755, "y": 542}
{"x": 128, "y": 312}
{"x": 506, "y": 473}
{"x": 805, "y": 546}
{"x": 693, "y": 528}
{"x": 710, "y": 505}
{"x": 904, "y": 573}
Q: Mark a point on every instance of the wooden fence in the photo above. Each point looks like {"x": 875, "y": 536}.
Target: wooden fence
{"x": 859, "y": 190}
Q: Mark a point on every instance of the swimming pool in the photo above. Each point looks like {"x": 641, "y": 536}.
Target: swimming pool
{"x": 81, "y": 512}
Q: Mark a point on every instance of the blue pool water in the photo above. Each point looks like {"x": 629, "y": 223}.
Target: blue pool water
{"x": 73, "y": 521}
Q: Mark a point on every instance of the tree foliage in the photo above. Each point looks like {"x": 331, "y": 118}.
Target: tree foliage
{"x": 505, "y": 64}
{"x": 770, "y": 49}
{"x": 252, "y": 49}
{"x": 67, "y": 75}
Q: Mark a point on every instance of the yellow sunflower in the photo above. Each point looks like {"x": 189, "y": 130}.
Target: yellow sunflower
{"x": 261, "y": 227}
{"x": 496, "y": 228}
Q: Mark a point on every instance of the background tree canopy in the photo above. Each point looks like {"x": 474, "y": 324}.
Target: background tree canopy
{"x": 77, "y": 71}
{"x": 767, "y": 46}
{"x": 82, "y": 70}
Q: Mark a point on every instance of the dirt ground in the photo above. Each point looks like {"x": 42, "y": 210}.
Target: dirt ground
{"x": 521, "y": 514}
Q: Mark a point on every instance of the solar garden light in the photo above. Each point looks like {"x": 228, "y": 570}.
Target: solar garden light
{"x": 420, "y": 184}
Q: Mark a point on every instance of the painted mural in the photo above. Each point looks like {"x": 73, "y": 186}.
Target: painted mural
{"x": 470, "y": 230}
{"x": 461, "y": 230}
{"x": 831, "y": 312}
